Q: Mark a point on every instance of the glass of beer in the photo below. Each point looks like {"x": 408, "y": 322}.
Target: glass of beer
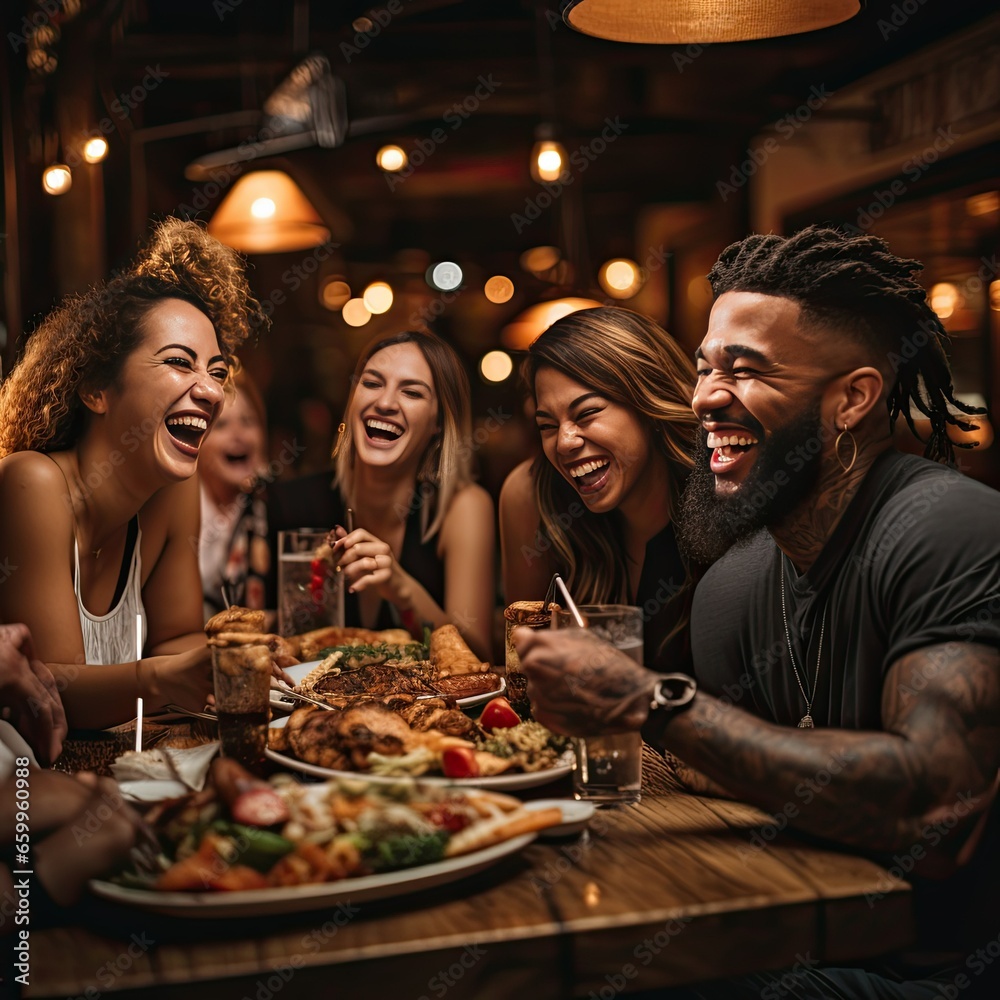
{"x": 608, "y": 768}
{"x": 241, "y": 672}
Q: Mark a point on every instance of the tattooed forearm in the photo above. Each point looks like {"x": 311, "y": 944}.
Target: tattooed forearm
{"x": 876, "y": 790}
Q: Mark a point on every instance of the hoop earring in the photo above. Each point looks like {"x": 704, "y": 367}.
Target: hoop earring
{"x": 854, "y": 445}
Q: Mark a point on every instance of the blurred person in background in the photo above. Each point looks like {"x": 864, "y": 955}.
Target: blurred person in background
{"x": 233, "y": 553}
{"x": 612, "y": 394}
{"x": 422, "y": 548}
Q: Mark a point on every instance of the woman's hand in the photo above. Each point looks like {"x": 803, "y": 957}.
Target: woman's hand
{"x": 183, "y": 679}
{"x": 368, "y": 564}
{"x": 28, "y": 690}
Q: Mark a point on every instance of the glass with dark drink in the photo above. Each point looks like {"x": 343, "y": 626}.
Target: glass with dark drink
{"x": 241, "y": 669}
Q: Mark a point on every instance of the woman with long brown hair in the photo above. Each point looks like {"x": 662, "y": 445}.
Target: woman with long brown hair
{"x": 612, "y": 394}
{"x": 422, "y": 545}
{"x": 101, "y": 426}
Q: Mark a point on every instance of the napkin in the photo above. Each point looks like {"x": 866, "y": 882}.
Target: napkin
{"x": 188, "y": 766}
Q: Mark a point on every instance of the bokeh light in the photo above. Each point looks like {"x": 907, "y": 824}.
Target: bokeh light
{"x": 496, "y": 366}
{"x": 355, "y": 312}
{"x": 377, "y": 297}
{"x": 499, "y": 289}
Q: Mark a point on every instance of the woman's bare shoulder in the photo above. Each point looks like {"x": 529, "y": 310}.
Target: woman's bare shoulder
{"x": 519, "y": 487}
{"x": 471, "y": 500}
{"x": 31, "y": 468}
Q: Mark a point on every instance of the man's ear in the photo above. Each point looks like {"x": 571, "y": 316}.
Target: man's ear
{"x": 858, "y": 392}
{"x": 94, "y": 400}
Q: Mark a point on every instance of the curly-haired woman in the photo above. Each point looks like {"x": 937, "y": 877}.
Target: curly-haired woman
{"x": 612, "y": 392}
{"x": 101, "y": 423}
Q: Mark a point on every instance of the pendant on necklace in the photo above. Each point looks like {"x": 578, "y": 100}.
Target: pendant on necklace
{"x": 806, "y": 722}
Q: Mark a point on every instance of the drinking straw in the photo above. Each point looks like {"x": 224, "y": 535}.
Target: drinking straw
{"x": 138, "y": 701}
{"x": 570, "y": 603}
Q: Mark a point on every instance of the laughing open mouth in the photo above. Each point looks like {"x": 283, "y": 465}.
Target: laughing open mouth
{"x": 589, "y": 474}
{"x": 187, "y": 431}
{"x": 382, "y": 430}
{"x": 729, "y": 447}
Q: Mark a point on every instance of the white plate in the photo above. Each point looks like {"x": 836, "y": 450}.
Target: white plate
{"x": 301, "y": 670}
{"x": 576, "y": 816}
{"x": 301, "y": 898}
{"x": 498, "y": 782}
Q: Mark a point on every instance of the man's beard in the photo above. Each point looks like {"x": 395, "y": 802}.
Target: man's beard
{"x": 709, "y": 524}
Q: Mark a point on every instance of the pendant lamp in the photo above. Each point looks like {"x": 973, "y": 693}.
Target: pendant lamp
{"x": 522, "y": 331}
{"x": 701, "y": 22}
{"x": 267, "y": 212}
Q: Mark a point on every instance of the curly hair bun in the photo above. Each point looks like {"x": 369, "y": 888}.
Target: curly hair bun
{"x": 183, "y": 255}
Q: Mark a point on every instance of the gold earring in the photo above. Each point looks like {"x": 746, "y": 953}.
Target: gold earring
{"x": 854, "y": 445}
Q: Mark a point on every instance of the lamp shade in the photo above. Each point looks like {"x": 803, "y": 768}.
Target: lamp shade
{"x": 266, "y": 212}
{"x": 525, "y": 328}
{"x": 676, "y": 22}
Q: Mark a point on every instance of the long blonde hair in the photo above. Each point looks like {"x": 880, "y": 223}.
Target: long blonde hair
{"x": 627, "y": 358}
{"x": 445, "y": 466}
{"x": 83, "y": 344}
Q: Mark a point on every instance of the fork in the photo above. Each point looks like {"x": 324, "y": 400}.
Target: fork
{"x": 284, "y": 690}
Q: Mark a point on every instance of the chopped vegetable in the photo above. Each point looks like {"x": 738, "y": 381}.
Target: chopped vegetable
{"x": 257, "y": 849}
{"x": 459, "y": 762}
{"x": 406, "y": 850}
{"x": 499, "y": 715}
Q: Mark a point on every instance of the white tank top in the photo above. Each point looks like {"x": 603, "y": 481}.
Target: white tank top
{"x": 112, "y": 638}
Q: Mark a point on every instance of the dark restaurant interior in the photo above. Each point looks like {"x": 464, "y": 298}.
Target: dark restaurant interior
{"x": 671, "y": 184}
{"x": 480, "y": 169}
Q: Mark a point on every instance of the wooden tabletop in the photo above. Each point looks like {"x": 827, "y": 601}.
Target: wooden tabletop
{"x": 673, "y": 890}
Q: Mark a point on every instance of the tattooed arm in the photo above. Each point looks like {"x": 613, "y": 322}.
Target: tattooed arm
{"x": 936, "y": 761}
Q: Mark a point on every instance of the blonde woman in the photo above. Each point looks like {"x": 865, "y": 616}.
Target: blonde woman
{"x": 101, "y": 426}
{"x": 612, "y": 394}
{"x": 422, "y": 546}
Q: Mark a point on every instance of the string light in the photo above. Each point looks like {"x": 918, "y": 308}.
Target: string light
{"x": 95, "y": 149}
{"x": 57, "y": 179}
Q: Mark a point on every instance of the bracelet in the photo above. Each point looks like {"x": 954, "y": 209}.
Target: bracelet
{"x": 674, "y": 692}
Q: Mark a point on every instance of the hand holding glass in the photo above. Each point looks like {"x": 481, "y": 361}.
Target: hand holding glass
{"x": 609, "y": 768}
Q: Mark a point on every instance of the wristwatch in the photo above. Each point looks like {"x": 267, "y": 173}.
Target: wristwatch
{"x": 674, "y": 692}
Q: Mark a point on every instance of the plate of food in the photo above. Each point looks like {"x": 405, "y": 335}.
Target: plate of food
{"x": 493, "y": 683}
{"x": 342, "y": 664}
{"x": 244, "y": 847}
{"x": 385, "y": 741}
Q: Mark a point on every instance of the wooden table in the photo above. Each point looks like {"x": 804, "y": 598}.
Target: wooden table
{"x": 667, "y": 892}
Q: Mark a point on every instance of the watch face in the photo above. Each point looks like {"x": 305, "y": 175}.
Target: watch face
{"x": 674, "y": 691}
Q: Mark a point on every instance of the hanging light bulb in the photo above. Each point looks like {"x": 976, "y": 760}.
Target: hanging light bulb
{"x": 391, "y": 159}
{"x": 95, "y": 149}
{"x": 548, "y": 160}
{"x": 57, "y": 179}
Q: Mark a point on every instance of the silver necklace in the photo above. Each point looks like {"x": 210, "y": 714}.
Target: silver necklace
{"x": 806, "y": 722}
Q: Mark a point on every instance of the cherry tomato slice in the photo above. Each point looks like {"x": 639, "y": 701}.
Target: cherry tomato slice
{"x": 499, "y": 715}
{"x": 459, "y": 762}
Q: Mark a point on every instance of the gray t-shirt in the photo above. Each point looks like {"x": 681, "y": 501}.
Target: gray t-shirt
{"x": 915, "y": 561}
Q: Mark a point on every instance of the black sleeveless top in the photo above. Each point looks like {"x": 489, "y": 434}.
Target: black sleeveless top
{"x": 664, "y": 601}
{"x": 315, "y": 502}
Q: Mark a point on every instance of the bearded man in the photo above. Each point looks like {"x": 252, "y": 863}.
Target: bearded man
{"x": 856, "y": 613}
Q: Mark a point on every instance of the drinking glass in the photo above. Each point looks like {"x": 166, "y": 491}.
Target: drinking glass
{"x": 529, "y": 614}
{"x": 241, "y": 675}
{"x": 608, "y": 768}
{"x": 310, "y": 591}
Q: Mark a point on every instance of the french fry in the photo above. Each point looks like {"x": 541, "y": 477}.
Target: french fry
{"x": 490, "y": 832}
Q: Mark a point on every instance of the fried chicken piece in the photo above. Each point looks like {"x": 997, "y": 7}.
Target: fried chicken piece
{"x": 424, "y": 715}
{"x": 313, "y": 737}
{"x": 371, "y": 727}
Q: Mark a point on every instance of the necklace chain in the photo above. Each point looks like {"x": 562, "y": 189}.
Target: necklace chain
{"x": 806, "y": 722}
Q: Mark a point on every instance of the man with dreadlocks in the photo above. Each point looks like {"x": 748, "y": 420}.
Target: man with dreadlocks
{"x": 846, "y": 645}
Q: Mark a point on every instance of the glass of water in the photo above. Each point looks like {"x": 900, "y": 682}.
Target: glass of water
{"x": 608, "y": 768}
